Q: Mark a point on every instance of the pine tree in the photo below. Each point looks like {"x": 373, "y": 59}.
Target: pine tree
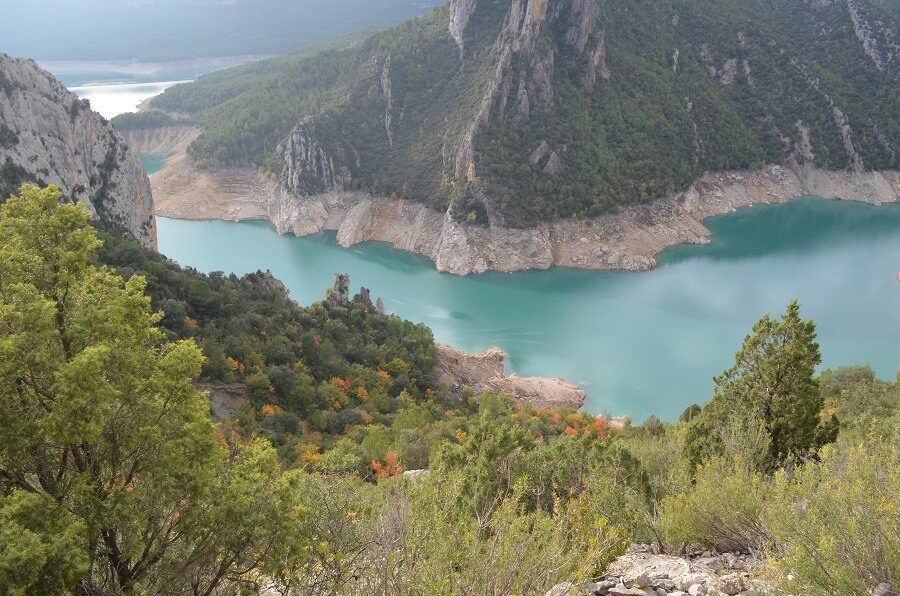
{"x": 772, "y": 386}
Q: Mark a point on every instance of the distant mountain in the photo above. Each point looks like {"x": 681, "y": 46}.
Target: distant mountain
{"x": 49, "y": 136}
{"x": 510, "y": 113}
{"x": 176, "y": 29}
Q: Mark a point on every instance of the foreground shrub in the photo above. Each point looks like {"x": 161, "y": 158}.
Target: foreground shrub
{"x": 420, "y": 543}
{"x": 722, "y": 511}
{"x": 837, "y": 526}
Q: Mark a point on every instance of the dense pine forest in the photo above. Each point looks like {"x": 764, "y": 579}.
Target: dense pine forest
{"x": 116, "y": 478}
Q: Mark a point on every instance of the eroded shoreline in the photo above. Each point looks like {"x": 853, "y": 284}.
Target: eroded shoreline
{"x": 630, "y": 240}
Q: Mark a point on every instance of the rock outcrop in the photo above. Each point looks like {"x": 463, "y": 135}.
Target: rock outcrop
{"x": 460, "y": 11}
{"x": 628, "y": 240}
{"x": 339, "y": 294}
{"x": 485, "y": 372}
{"x": 643, "y": 572}
{"x": 50, "y": 136}
{"x": 225, "y": 399}
{"x": 308, "y": 167}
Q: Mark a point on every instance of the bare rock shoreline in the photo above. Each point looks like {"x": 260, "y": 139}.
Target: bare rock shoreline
{"x": 629, "y": 240}
{"x": 182, "y": 192}
{"x": 485, "y": 372}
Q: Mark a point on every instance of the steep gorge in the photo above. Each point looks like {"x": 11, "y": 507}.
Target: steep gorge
{"x": 530, "y": 133}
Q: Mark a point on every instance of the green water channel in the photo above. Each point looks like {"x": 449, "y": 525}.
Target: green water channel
{"x": 152, "y": 162}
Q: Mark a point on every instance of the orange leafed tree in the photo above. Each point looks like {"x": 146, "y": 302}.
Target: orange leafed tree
{"x": 390, "y": 468}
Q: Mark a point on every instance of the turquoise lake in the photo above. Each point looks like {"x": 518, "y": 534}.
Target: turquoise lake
{"x": 152, "y": 162}
{"x": 641, "y": 343}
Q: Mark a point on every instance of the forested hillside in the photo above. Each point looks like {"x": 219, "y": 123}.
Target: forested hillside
{"x": 313, "y": 377}
{"x": 115, "y": 479}
{"x": 517, "y": 112}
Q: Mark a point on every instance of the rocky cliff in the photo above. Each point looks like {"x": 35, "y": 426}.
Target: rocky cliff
{"x": 519, "y": 134}
{"x": 551, "y": 109}
{"x": 49, "y": 136}
{"x": 628, "y": 240}
{"x": 550, "y": 155}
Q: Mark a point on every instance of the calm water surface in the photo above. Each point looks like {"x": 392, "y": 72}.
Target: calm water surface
{"x": 640, "y": 343}
{"x": 152, "y": 162}
{"x": 113, "y": 91}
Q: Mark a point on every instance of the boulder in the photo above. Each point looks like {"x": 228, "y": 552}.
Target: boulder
{"x": 731, "y": 584}
{"x": 600, "y": 588}
{"x": 621, "y": 590}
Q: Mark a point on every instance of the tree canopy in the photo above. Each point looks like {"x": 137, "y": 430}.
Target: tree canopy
{"x": 111, "y": 477}
{"x": 767, "y": 406}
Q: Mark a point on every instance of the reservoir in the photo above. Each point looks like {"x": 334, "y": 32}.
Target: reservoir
{"x": 640, "y": 343}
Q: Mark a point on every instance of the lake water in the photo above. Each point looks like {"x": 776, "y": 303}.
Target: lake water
{"x": 152, "y": 162}
{"x": 640, "y": 343}
{"x": 117, "y": 87}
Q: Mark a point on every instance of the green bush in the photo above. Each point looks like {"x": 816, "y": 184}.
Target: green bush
{"x": 722, "y": 511}
{"x": 837, "y": 526}
{"x": 142, "y": 120}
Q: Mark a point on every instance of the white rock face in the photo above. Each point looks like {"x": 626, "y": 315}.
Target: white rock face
{"x": 460, "y": 11}
{"x": 49, "y": 136}
{"x": 628, "y": 240}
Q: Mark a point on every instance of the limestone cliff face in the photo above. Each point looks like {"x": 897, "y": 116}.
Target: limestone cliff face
{"x": 517, "y": 81}
{"x": 460, "y": 11}
{"x": 628, "y": 240}
{"x": 49, "y": 136}
{"x": 526, "y": 56}
{"x": 307, "y": 167}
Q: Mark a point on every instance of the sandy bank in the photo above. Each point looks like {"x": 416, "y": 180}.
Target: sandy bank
{"x": 182, "y": 192}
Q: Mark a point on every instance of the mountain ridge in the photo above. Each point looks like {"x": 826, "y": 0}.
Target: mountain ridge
{"x": 506, "y": 119}
{"x": 484, "y": 105}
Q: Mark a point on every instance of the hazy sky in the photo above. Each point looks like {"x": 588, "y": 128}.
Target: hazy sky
{"x": 171, "y": 29}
